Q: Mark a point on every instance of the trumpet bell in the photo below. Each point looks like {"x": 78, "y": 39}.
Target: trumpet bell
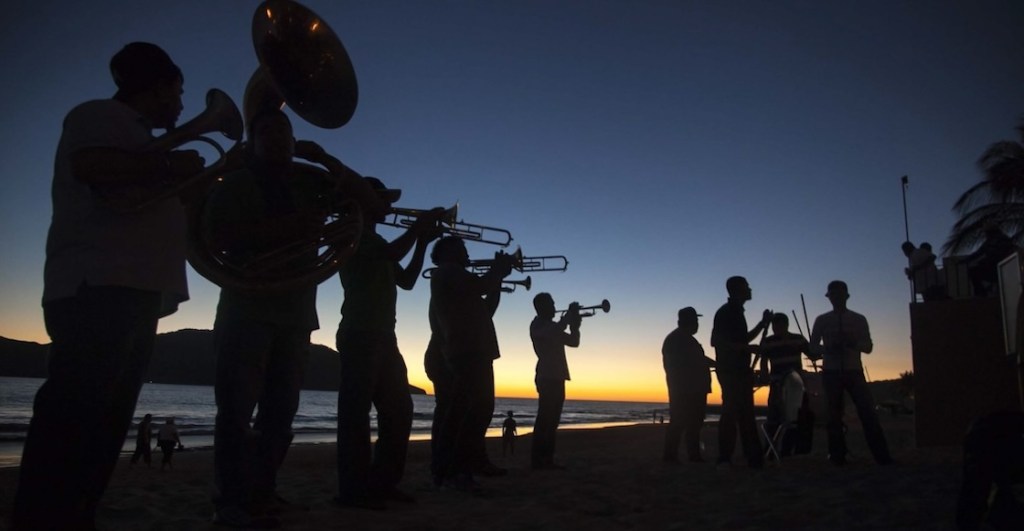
{"x": 305, "y": 62}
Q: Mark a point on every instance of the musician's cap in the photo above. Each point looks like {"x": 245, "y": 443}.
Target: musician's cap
{"x": 689, "y": 314}
{"x": 837, "y": 287}
{"x": 140, "y": 66}
{"x": 391, "y": 195}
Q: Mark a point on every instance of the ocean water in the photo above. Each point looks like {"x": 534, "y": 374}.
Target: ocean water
{"x": 316, "y": 421}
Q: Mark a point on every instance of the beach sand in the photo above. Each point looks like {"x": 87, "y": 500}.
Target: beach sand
{"x": 614, "y": 480}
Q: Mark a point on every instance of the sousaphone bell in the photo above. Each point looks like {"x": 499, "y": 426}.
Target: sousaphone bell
{"x": 302, "y": 65}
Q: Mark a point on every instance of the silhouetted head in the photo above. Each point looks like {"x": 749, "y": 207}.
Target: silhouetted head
{"x": 170, "y": 420}
{"x": 545, "y": 305}
{"x": 386, "y": 197}
{"x": 780, "y": 323}
{"x": 510, "y": 413}
{"x": 450, "y": 250}
{"x": 270, "y": 137}
{"x": 738, "y": 288}
{"x": 148, "y": 417}
{"x": 837, "y": 293}
{"x": 908, "y": 248}
{"x": 687, "y": 320}
{"x": 148, "y": 81}
{"x": 926, "y": 246}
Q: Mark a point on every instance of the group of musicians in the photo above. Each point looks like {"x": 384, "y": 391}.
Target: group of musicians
{"x": 112, "y": 273}
{"x": 838, "y": 338}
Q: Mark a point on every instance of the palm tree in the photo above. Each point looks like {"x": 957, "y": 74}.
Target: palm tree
{"x": 998, "y": 200}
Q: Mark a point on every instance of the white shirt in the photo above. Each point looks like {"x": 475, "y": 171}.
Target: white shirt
{"x": 92, "y": 244}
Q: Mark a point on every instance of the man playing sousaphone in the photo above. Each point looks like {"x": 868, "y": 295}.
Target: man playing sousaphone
{"x": 262, "y": 338}
{"x": 109, "y": 277}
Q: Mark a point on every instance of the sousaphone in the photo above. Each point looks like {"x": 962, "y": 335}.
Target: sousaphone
{"x": 302, "y": 65}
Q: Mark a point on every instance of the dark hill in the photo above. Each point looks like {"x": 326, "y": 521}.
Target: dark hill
{"x": 185, "y": 357}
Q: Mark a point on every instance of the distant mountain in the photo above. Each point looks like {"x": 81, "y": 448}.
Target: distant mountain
{"x": 185, "y": 357}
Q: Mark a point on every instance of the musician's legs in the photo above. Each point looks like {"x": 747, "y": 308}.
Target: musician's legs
{"x": 243, "y": 349}
{"x": 834, "y": 388}
{"x": 102, "y": 344}
{"x": 394, "y": 420}
{"x": 865, "y": 405}
{"x": 732, "y": 388}
{"x": 277, "y": 407}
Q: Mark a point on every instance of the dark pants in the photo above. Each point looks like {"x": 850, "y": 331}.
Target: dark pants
{"x": 835, "y": 384}
{"x": 738, "y": 410}
{"x": 167, "y": 448}
{"x": 686, "y": 416}
{"x": 441, "y": 376}
{"x": 257, "y": 364}
{"x": 142, "y": 450}
{"x": 468, "y": 415}
{"x": 102, "y": 344}
{"x": 373, "y": 373}
{"x": 550, "y": 399}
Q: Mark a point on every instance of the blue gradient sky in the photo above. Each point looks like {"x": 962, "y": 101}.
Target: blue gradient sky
{"x": 660, "y": 146}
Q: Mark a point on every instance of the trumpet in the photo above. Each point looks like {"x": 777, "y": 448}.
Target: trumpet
{"x": 509, "y": 286}
{"x": 590, "y": 311}
{"x": 451, "y": 226}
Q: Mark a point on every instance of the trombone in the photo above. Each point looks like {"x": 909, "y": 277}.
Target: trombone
{"x": 451, "y": 226}
{"x": 524, "y": 264}
{"x": 590, "y": 311}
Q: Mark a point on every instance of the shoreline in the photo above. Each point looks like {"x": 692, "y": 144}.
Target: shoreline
{"x": 615, "y": 479}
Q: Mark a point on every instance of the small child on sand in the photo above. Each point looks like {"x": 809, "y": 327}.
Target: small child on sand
{"x": 508, "y": 435}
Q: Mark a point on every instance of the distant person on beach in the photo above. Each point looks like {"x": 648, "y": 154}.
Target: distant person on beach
{"x": 922, "y": 272}
{"x": 168, "y": 440}
{"x": 983, "y": 264}
{"x": 549, "y": 341}
{"x": 373, "y": 372}
{"x": 465, "y": 304}
{"x": 731, "y": 341}
{"x": 781, "y": 360}
{"x": 144, "y": 442}
{"x": 262, "y": 338}
{"x": 110, "y": 275}
{"x": 508, "y": 435}
{"x": 688, "y": 374}
{"x": 839, "y": 337}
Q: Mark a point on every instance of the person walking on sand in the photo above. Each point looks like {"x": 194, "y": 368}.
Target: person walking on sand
{"x": 735, "y": 375}
{"x": 144, "y": 442}
{"x": 839, "y": 337}
{"x": 688, "y": 374}
{"x": 168, "y": 439}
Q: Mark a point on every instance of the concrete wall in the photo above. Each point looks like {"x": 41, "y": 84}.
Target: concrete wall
{"x": 960, "y": 369}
